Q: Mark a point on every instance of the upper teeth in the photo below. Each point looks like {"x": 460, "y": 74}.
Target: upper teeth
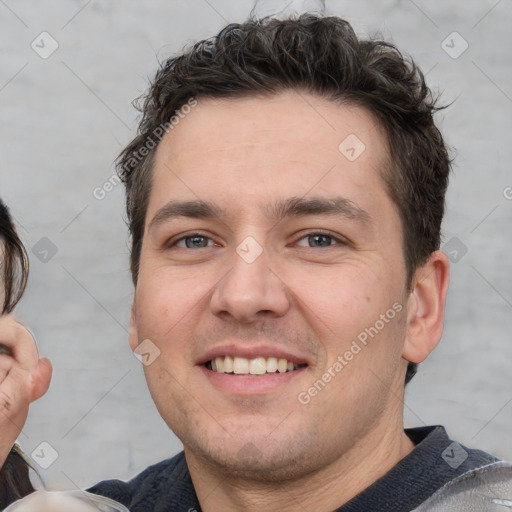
{"x": 256, "y": 366}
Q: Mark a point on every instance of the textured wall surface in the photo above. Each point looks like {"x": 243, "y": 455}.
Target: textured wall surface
{"x": 65, "y": 115}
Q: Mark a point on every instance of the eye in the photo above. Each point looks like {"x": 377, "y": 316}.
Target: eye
{"x": 194, "y": 241}
{"x": 319, "y": 240}
{"x": 5, "y": 350}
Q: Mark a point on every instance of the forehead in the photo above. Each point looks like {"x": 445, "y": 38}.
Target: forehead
{"x": 286, "y": 145}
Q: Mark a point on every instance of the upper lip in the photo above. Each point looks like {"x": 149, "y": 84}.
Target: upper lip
{"x": 250, "y": 353}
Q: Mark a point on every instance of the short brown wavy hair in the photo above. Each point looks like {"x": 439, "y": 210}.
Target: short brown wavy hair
{"x": 322, "y": 56}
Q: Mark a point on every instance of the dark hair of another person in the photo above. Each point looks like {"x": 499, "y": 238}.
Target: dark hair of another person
{"x": 324, "y": 57}
{"x": 14, "y": 479}
{"x": 13, "y": 262}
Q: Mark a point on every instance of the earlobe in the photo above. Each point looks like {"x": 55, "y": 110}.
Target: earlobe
{"x": 425, "y": 308}
{"x": 133, "y": 335}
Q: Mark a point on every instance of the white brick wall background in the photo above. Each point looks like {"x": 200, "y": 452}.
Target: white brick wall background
{"x": 63, "y": 120}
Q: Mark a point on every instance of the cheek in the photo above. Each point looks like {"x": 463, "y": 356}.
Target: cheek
{"x": 350, "y": 294}
{"x": 166, "y": 301}
{"x": 344, "y": 305}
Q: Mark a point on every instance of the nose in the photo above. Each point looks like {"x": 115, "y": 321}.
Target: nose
{"x": 250, "y": 291}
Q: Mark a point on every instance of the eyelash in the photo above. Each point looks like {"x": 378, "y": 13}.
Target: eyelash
{"x": 336, "y": 239}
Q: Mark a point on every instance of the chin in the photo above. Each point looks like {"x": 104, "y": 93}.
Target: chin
{"x": 263, "y": 460}
{"x": 251, "y": 464}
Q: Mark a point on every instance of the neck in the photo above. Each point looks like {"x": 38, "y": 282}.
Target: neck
{"x": 323, "y": 490}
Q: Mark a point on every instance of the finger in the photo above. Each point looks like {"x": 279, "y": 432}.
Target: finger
{"x": 41, "y": 377}
{"x": 14, "y": 402}
{"x": 16, "y": 339}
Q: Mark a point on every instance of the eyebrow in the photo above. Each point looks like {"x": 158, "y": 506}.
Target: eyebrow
{"x": 197, "y": 209}
{"x": 299, "y": 206}
{"x": 291, "y": 207}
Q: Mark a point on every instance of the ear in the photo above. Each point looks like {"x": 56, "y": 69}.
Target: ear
{"x": 133, "y": 335}
{"x": 425, "y": 308}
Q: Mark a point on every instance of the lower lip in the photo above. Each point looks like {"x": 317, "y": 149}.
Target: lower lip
{"x": 249, "y": 384}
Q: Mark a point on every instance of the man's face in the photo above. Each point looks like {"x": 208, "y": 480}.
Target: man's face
{"x": 294, "y": 253}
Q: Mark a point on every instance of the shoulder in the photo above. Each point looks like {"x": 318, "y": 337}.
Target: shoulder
{"x": 167, "y": 483}
{"x": 433, "y": 447}
{"x": 481, "y": 489}
{"x": 459, "y": 478}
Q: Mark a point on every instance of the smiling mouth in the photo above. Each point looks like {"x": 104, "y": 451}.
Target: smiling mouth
{"x": 257, "y": 366}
